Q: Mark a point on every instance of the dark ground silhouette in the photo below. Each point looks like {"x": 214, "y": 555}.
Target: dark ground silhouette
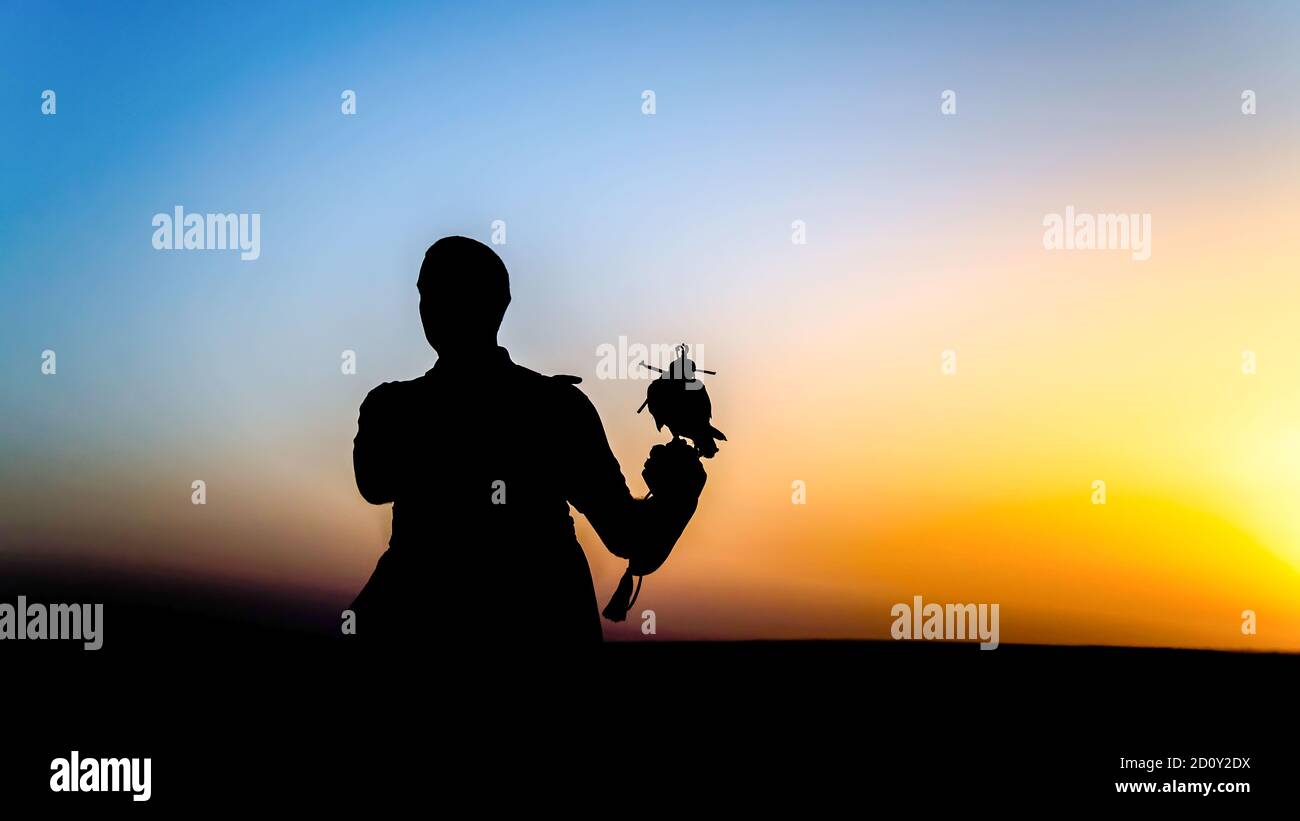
{"x": 243, "y": 694}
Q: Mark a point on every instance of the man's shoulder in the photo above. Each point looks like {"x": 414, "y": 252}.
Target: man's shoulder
{"x": 560, "y": 388}
{"x": 559, "y": 391}
{"x": 562, "y": 383}
{"x": 386, "y": 392}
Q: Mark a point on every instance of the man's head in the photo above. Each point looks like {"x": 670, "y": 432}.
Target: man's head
{"x": 464, "y": 291}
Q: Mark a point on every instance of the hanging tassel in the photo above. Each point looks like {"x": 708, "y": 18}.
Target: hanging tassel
{"x": 621, "y": 601}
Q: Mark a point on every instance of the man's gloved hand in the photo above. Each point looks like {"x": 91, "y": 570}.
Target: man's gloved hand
{"x": 673, "y": 471}
{"x": 675, "y": 477}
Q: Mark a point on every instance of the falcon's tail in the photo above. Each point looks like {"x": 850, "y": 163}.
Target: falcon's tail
{"x": 705, "y": 444}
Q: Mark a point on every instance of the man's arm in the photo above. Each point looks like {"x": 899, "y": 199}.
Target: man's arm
{"x": 373, "y": 456}
{"x": 640, "y": 530}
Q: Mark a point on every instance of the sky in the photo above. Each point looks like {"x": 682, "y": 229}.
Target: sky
{"x": 924, "y": 235}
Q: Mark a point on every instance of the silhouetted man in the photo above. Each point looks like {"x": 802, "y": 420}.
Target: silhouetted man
{"x": 481, "y": 458}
